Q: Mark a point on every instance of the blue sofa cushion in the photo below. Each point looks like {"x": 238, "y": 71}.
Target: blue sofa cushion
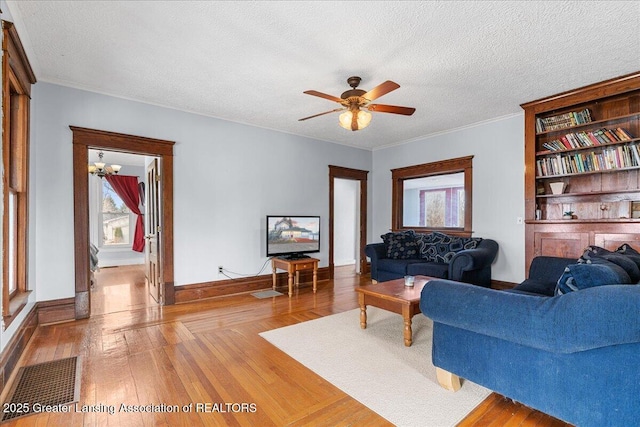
{"x": 583, "y": 276}
{"x": 398, "y": 266}
{"x": 428, "y": 269}
{"x": 593, "y": 253}
{"x": 536, "y": 287}
{"x": 401, "y": 245}
{"x": 445, "y": 247}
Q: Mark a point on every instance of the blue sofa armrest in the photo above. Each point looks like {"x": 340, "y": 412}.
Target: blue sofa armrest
{"x": 591, "y": 318}
{"x": 375, "y": 251}
{"x": 474, "y": 265}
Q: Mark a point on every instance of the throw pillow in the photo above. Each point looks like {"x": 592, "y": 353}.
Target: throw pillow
{"x": 595, "y": 252}
{"x": 426, "y": 250}
{"x": 583, "y": 276}
{"x": 445, "y": 246}
{"x": 629, "y": 252}
{"x": 400, "y": 245}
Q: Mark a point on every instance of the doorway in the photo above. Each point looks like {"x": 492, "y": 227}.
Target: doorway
{"x": 85, "y": 139}
{"x": 360, "y": 176}
{"x": 346, "y": 223}
{"x": 118, "y": 271}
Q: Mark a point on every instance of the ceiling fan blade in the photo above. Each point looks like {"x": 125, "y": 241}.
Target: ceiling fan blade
{"x": 323, "y": 95}
{"x": 322, "y": 114}
{"x": 381, "y": 89}
{"x": 381, "y": 108}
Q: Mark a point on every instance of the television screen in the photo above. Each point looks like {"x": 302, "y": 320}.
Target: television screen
{"x": 292, "y": 236}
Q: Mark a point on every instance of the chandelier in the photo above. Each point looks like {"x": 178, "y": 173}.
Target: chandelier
{"x": 100, "y": 169}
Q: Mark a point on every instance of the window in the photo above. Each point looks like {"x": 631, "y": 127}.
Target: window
{"x": 433, "y": 196}
{"x": 116, "y": 218}
{"x": 16, "y": 88}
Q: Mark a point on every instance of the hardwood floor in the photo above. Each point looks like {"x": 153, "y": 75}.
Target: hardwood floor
{"x": 210, "y": 352}
{"x": 120, "y": 289}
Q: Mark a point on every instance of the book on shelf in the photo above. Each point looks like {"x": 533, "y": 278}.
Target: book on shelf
{"x": 611, "y": 158}
{"x": 561, "y": 121}
{"x": 587, "y": 139}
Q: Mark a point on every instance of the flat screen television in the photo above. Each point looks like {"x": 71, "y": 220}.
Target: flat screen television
{"x": 292, "y": 237}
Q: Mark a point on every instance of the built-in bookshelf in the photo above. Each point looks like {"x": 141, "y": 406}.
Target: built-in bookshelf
{"x": 587, "y": 143}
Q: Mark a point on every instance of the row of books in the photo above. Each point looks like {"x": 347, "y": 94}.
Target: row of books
{"x": 588, "y": 139}
{"x": 620, "y": 157}
{"x": 562, "y": 121}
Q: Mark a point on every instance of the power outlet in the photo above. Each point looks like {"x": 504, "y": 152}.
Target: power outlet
{"x": 219, "y": 269}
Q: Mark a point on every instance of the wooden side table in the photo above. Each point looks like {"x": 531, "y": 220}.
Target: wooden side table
{"x": 295, "y": 266}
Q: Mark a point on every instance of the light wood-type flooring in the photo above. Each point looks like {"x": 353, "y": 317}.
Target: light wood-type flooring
{"x": 135, "y": 352}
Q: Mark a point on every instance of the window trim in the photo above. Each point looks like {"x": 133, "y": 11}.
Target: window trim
{"x": 443, "y": 167}
{"x": 17, "y": 78}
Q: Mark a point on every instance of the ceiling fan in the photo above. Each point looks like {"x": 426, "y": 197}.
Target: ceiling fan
{"x": 355, "y": 101}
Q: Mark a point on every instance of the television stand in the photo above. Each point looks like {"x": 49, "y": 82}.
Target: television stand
{"x": 295, "y": 266}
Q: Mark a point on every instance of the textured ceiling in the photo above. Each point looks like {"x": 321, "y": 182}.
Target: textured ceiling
{"x": 457, "y": 63}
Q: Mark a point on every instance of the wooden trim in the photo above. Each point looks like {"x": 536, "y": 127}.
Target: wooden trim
{"x": 41, "y": 313}
{"x": 460, "y": 164}
{"x": 500, "y": 285}
{"x": 358, "y": 175}
{"x": 17, "y": 344}
{"x": 83, "y": 140}
{"x": 18, "y": 60}
{"x": 219, "y": 288}
{"x": 16, "y": 89}
{"x": 55, "y": 311}
{"x": 614, "y": 86}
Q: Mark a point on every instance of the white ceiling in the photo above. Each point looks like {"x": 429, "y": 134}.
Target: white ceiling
{"x": 457, "y": 62}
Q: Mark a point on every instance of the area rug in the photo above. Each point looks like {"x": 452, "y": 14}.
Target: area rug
{"x": 373, "y": 366}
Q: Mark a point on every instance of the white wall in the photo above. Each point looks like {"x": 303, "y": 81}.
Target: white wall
{"x": 227, "y": 178}
{"x": 498, "y": 183}
{"x": 347, "y": 199}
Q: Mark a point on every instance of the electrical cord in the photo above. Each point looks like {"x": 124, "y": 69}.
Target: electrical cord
{"x": 225, "y": 271}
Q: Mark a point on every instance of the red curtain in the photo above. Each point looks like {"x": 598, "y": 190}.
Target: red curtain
{"x": 127, "y": 188}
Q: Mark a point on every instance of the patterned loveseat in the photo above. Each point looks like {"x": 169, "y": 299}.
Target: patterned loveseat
{"x": 463, "y": 259}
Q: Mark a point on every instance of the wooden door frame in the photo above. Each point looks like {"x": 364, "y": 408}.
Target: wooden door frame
{"x": 85, "y": 139}
{"x": 357, "y": 175}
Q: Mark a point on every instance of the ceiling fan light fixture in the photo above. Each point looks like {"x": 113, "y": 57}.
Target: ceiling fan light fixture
{"x": 362, "y": 119}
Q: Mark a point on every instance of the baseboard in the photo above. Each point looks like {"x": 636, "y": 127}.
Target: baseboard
{"x": 18, "y": 342}
{"x": 55, "y": 311}
{"x": 187, "y": 293}
{"x": 498, "y": 284}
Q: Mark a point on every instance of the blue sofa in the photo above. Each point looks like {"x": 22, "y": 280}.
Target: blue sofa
{"x": 574, "y": 356}
{"x": 464, "y": 265}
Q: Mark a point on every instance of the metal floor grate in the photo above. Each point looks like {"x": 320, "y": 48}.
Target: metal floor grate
{"x": 49, "y": 383}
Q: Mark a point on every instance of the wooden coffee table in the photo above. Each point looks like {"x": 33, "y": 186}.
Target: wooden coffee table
{"x": 393, "y": 296}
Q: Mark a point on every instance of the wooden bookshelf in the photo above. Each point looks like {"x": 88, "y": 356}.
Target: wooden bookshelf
{"x": 601, "y": 176}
